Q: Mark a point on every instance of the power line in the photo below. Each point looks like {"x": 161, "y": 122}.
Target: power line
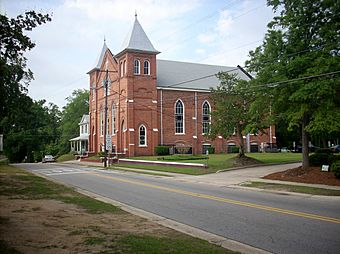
{"x": 234, "y": 18}
{"x": 200, "y": 20}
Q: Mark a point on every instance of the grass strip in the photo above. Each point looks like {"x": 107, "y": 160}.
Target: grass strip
{"x": 183, "y": 245}
{"x": 216, "y": 162}
{"x": 138, "y": 171}
{"x": 172, "y": 169}
{"x": 21, "y": 184}
{"x": 66, "y": 157}
{"x": 293, "y": 188}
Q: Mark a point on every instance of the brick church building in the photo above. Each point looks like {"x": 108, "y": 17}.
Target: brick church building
{"x": 152, "y": 102}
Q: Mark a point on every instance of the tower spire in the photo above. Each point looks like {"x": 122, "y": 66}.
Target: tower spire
{"x": 135, "y": 14}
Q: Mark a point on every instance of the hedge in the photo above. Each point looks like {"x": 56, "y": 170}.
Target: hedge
{"x": 162, "y": 150}
{"x": 336, "y": 169}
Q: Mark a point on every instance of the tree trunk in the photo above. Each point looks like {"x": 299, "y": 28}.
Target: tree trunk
{"x": 241, "y": 151}
{"x": 305, "y": 144}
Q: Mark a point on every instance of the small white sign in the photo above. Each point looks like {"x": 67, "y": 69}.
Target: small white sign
{"x": 325, "y": 168}
{"x": 108, "y": 142}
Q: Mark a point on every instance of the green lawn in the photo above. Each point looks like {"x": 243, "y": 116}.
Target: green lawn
{"x": 189, "y": 171}
{"x": 215, "y": 162}
{"x": 22, "y": 184}
{"x": 66, "y": 157}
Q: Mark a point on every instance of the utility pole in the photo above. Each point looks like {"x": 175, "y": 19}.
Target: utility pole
{"x": 105, "y": 117}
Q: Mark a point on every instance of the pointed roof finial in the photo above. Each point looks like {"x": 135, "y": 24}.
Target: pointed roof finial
{"x": 104, "y": 39}
{"x": 135, "y": 14}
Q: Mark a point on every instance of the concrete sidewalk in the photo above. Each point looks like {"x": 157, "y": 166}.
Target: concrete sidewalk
{"x": 237, "y": 176}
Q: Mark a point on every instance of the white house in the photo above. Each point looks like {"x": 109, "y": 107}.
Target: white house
{"x": 80, "y": 144}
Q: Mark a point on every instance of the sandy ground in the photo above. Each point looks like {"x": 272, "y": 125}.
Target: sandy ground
{"x": 50, "y": 226}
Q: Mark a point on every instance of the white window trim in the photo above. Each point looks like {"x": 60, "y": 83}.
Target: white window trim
{"x": 114, "y": 120}
{"x": 134, "y": 67}
{"x": 93, "y": 92}
{"x": 205, "y": 101}
{"x": 149, "y": 67}
{"x": 121, "y": 69}
{"x": 146, "y": 135}
{"x": 180, "y": 133}
{"x": 101, "y": 123}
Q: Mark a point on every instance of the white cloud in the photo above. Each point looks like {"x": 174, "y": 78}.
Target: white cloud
{"x": 224, "y": 23}
{"x": 200, "y": 51}
{"x": 237, "y": 31}
{"x": 207, "y": 38}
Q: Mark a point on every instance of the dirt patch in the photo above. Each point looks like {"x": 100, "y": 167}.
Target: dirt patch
{"x": 245, "y": 161}
{"x": 50, "y": 226}
{"x": 312, "y": 175}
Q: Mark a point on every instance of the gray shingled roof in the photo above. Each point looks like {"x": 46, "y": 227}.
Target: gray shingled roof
{"x": 175, "y": 74}
{"x": 85, "y": 119}
{"x": 138, "y": 40}
{"x": 101, "y": 56}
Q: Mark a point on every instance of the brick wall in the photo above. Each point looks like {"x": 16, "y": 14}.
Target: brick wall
{"x": 138, "y": 102}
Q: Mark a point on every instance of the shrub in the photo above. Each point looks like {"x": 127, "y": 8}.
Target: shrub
{"x": 235, "y": 149}
{"x": 318, "y": 159}
{"x": 335, "y": 158}
{"x": 37, "y": 156}
{"x": 101, "y": 154}
{"x": 211, "y": 150}
{"x": 162, "y": 150}
{"x": 336, "y": 169}
{"x": 324, "y": 150}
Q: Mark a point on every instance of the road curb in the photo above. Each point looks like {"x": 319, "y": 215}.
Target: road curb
{"x": 180, "y": 227}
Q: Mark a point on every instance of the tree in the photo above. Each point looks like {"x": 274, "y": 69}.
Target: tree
{"x": 231, "y": 114}
{"x": 18, "y": 113}
{"x": 302, "y": 42}
{"x": 14, "y": 75}
{"x": 34, "y": 132}
{"x": 77, "y": 105}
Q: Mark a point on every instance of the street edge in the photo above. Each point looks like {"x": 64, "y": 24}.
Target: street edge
{"x": 180, "y": 227}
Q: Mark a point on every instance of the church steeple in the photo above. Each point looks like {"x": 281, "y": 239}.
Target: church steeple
{"x": 137, "y": 40}
{"x": 101, "y": 57}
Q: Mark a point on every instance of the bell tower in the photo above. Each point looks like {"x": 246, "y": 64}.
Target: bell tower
{"x": 138, "y": 119}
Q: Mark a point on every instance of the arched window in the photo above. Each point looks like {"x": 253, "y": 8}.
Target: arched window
{"x": 206, "y": 120}
{"x": 113, "y": 119}
{"x": 93, "y": 92}
{"x": 179, "y": 117}
{"x": 146, "y": 67}
{"x": 124, "y": 67}
{"x": 101, "y": 122}
{"x": 137, "y": 67}
{"x": 142, "y": 135}
{"x": 121, "y": 69}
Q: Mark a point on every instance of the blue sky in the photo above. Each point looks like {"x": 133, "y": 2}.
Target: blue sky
{"x": 213, "y": 32}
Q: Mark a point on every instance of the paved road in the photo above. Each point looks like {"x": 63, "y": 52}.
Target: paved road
{"x": 276, "y": 223}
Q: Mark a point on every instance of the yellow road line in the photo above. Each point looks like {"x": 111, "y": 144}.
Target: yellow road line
{"x": 225, "y": 200}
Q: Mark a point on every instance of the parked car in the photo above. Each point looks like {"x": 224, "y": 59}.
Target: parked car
{"x": 285, "y": 150}
{"x": 48, "y": 158}
{"x": 335, "y": 149}
{"x": 298, "y": 149}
